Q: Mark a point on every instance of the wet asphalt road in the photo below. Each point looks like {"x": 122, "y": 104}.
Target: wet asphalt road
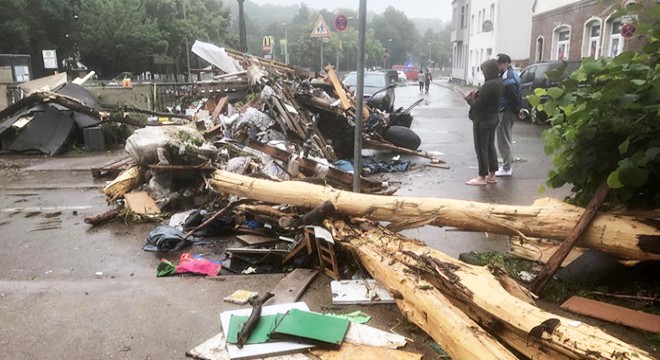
{"x": 52, "y": 306}
{"x": 441, "y": 122}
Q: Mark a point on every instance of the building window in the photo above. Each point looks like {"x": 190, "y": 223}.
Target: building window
{"x": 467, "y": 12}
{"x": 562, "y": 39}
{"x": 615, "y": 40}
{"x": 591, "y": 43}
{"x": 492, "y": 12}
{"x": 539, "y": 49}
{"x": 472, "y": 27}
{"x": 462, "y": 17}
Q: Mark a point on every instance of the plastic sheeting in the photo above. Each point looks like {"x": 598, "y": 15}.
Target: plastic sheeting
{"x": 216, "y": 56}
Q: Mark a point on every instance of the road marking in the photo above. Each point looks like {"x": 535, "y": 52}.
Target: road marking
{"x": 45, "y": 208}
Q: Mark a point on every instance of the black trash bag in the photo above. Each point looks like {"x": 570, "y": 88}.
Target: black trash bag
{"x": 167, "y": 238}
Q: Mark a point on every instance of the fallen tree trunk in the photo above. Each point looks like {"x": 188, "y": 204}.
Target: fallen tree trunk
{"x": 476, "y": 292}
{"x": 71, "y": 104}
{"x": 628, "y": 237}
{"x": 425, "y": 306}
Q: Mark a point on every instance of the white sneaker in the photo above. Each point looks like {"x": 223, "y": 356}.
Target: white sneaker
{"x": 501, "y": 172}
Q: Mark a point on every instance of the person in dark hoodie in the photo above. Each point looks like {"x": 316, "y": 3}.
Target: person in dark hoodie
{"x": 483, "y": 112}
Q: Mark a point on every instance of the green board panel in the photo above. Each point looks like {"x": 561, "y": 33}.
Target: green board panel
{"x": 259, "y": 334}
{"x": 312, "y": 327}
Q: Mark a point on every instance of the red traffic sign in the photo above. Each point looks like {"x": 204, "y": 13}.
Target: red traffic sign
{"x": 341, "y": 22}
{"x": 627, "y": 31}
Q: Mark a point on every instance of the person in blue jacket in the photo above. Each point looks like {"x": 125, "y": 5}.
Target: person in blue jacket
{"x": 508, "y": 111}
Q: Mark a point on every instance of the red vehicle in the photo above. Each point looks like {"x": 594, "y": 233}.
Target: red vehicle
{"x": 412, "y": 73}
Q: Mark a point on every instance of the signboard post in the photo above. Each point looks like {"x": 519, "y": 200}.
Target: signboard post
{"x": 50, "y": 59}
{"x": 322, "y": 31}
{"x": 268, "y": 43}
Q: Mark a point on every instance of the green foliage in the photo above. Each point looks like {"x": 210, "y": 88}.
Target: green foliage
{"x": 513, "y": 265}
{"x": 605, "y": 126}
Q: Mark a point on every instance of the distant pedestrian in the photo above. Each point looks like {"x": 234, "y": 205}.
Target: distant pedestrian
{"x": 508, "y": 111}
{"x": 420, "y": 80}
{"x": 483, "y": 112}
{"x": 427, "y": 80}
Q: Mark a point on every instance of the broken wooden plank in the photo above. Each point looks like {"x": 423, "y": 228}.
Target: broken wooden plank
{"x": 551, "y": 267}
{"x": 219, "y": 107}
{"x": 291, "y": 287}
{"x": 613, "y": 313}
{"x": 618, "y": 234}
{"x": 339, "y": 87}
{"x": 141, "y": 203}
{"x": 256, "y": 239}
{"x": 395, "y": 260}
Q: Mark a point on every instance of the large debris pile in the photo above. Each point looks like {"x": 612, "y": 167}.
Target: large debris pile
{"x": 264, "y": 165}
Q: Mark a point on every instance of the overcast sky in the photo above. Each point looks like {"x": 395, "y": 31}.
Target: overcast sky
{"x": 435, "y": 9}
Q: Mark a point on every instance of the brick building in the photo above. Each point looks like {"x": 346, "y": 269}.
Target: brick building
{"x": 575, "y": 29}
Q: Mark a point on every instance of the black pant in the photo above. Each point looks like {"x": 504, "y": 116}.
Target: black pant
{"x": 484, "y": 144}
{"x": 421, "y": 86}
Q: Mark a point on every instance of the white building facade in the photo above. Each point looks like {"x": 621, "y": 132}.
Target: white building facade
{"x": 482, "y": 29}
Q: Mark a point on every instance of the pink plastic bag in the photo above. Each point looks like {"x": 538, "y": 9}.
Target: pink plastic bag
{"x": 188, "y": 264}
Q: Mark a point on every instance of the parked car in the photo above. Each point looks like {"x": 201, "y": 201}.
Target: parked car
{"x": 534, "y": 76}
{"x": 402, "y": 77}
{"x": 378, "y": 88}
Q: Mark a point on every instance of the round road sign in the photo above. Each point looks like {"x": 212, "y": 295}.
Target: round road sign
{"x": 341, "y": 22}
{"x": 627, "y": 31}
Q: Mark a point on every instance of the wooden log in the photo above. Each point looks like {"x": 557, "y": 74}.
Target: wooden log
{"x": 551, "y": 267}
{"x": 477, "y": 293}
{"x": 616, "y": 234}
{"x": 102, "y": 218}
{"x": 425, "y": 306}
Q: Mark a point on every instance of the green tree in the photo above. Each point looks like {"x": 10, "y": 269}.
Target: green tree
{"x": 394, "y": 24}
{"x": 117, "y": 36}
{"x": 605, "y": 124}
{"x": 29, "y": 26}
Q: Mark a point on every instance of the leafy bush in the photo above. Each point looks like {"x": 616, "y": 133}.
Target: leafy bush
{"x": 606, "y": 125}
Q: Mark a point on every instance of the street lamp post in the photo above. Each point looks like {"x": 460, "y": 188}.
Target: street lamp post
{"x": 286, "y": 45}
{"x": 429, "y": 64}
{"x": 389, "y": 53}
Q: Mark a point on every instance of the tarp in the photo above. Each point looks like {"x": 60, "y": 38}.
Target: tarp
{"x": 216, "y": 56}
{"x": 48, "y": 132}
{"x": 80, "y": 93}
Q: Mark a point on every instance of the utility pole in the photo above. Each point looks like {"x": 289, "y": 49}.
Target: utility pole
{"x": 187, "y": 46}
{"x": 242, "y": 34}
{"x": 357, "y": 150}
